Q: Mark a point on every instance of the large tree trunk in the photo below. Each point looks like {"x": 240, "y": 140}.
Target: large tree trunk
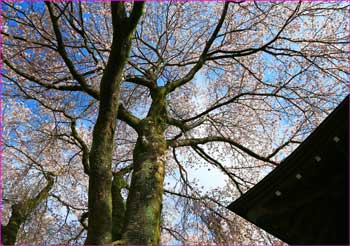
{"x": 142, "y": 219}
{"x": 100, "y": 176}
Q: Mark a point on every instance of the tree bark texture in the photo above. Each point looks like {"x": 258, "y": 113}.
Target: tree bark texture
{"x": 142, "y": 218}
{"x": 100, "y": 178}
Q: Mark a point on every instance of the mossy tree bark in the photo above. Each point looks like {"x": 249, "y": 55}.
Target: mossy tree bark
{"x": 100, "y": 178}
{"x": 142, "y": 218}
{"x": 21, "y": 211}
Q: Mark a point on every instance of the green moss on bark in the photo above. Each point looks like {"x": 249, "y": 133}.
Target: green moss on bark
{"x": 100, "y": 182}
{"x": 142, "y": 221}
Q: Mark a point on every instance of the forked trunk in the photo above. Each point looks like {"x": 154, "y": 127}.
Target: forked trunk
{"x": 100, "y": 178}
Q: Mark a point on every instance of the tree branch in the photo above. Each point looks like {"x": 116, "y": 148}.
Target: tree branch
{"x": 128, "y": 118}
{"x": 39, "y": 82}
{"x": 203, "y": 57}
{"x": 66, "y": 203}
{"x": 250, "y": 51}
{"x": 231, "y": 100}
{"x": 196, "y": 141}
{"x": 182, "y": 123}
{"x": 211, "y": 160}
{"x": 62, "y": 51}
{"x": 21, "y": 211}
{"x": 84, "y": 148}
{"x": 136, "y": 14}
{"x": 140, "y": 81}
